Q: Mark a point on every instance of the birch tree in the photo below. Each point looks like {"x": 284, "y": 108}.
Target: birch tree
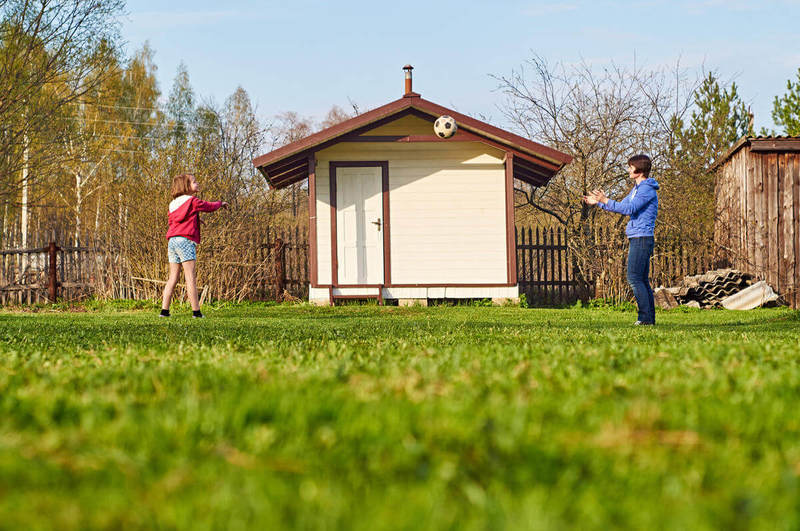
{"x": 47, "y": 49}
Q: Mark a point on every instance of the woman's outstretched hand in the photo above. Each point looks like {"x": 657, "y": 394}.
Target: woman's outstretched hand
{"x": 224, "y": 204}
{"x": 594, "y": 197}
{"x": 600, "y": 196}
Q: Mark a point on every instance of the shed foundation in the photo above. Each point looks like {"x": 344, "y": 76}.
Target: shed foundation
{"x": 412, "y": 302}
{"x": 504, "y": 301}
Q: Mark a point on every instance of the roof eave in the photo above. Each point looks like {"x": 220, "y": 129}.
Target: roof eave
{"x": 339, "y": 129}
{"x": 523, "y": 145}
{"x": 760, "y": 144}
{"x": 731, "y": 152}
{"x": 495, "y": 133}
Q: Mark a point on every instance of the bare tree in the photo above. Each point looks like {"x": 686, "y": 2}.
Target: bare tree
{"x": 600, "y": 116}
{"x": 337, "y": 115}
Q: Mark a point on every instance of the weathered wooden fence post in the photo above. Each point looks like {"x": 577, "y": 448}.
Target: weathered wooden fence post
{"x": 279, "y": 282}
{"x": 52, "y": 284}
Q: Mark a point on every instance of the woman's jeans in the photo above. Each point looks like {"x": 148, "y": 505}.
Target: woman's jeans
{"x": 641, "y": 249}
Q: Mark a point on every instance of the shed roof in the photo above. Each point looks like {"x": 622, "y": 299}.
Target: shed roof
{"x": 761, "y": 143}
{"x": 533, "y": 162}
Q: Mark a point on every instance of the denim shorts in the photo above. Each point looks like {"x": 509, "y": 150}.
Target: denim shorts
{"x": 181, "y": 249}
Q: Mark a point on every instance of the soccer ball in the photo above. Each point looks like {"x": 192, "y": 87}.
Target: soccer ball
{"x": 444, "y": 126}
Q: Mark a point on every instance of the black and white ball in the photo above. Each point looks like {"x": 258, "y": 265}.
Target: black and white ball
{"x": 445, "y": 126}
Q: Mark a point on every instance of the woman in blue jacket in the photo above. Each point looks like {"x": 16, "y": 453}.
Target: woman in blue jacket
{"x": 641, "y": 204}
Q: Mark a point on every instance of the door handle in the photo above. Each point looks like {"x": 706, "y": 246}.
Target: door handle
{"x": 378, "y": 223}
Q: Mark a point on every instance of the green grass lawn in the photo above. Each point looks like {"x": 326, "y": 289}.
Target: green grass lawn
{"x": 399, "y": 418}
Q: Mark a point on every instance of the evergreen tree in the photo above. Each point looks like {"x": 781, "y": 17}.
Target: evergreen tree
{"x": 181, "y": 106}
{"x": 786, "y": 109}
{"x": 140, "y": 92}
{"x": 720, "y": 118}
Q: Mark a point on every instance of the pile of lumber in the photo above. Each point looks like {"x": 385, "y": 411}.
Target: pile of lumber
{"x": 703, "y": 291}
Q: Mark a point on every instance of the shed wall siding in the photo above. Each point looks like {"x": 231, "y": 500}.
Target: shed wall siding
{"x": 757, "y": 213}
{"x": 447, "y": 210}
{"x": 407, "y": 125}
{"x": 323, "y": 223}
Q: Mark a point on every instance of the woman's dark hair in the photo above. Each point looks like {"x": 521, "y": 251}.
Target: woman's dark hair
{"x": 641, "y": 163}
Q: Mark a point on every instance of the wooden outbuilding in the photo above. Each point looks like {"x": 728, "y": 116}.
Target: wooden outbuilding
{"x": 396, "y": 212}
{"x": 758, "y": 211}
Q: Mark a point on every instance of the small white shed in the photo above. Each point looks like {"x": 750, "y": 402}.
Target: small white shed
{"x": 398, "y": 213}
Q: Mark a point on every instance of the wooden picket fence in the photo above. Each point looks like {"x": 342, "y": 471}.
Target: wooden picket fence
{"x": 546, "y": 271}
{"x": 295, "y": 273}
{"x": 274, "y": 268}
{"x": 551, "y": 272}
{"x": 25, "y": 274}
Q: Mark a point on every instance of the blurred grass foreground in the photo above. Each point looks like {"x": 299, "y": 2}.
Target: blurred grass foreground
{"x": 364, "y": 417}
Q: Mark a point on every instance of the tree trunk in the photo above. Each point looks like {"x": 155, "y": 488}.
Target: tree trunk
{"x": 5, "y": 225}
{"x": 97, "y": 217}
{"x": 24, "y": 206}
{"x": 24, "y": 213}
{"x": 78, "y": 206}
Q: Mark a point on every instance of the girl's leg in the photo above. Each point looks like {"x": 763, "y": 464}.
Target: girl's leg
{"x": 169, "y": 288}
{"x": 191, "y": 283}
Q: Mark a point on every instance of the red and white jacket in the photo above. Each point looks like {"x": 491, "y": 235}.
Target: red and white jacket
{"x": 184, "y": 216}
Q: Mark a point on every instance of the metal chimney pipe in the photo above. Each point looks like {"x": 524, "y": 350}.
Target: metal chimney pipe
{"x": 408, "y": 69}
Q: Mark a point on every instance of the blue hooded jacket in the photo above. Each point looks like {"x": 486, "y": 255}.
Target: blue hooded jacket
{"x": 641, "y": 204}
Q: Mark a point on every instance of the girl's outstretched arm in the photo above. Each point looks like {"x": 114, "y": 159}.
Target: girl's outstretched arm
{"x": 208, "y": 206}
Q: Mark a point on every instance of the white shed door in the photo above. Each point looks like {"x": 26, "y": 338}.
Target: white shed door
{"x": 359, "y": 225}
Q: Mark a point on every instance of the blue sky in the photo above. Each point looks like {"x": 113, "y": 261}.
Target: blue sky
{"x": 306, "y": 56}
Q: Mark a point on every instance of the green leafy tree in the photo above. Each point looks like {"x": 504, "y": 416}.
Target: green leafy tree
{"x": 52, "y": 55}
{"x": 786, "y": 109}
{"x": 139, "y": 128}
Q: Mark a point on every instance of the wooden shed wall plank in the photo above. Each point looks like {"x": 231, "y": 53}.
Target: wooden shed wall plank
{"x": 751, "y": 222}
{"x": 721, "y": 211}
{"x": 757, "y": 223}
{"x": 795, "y": 165}
{"x": 737, "y": 212}
{"x": 789, "y": 224}
{"x": 772, "y": 220}
{"x": 761, "y": 217}
{"x": 781, "y": 216}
